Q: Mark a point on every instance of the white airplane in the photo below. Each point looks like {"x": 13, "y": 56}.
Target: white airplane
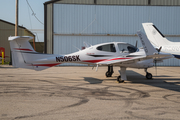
{"x": 158, "y": 40}
{"x": 107, "y": 54}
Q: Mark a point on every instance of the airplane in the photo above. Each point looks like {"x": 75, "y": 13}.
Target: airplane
{"x": 158, "y": 40}
{"x": 109, "y": 54}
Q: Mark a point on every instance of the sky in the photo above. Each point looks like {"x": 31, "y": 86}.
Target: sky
{"x": 26, "y": 17}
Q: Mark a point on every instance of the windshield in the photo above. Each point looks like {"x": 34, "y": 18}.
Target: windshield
{"x": 126, "y": 48}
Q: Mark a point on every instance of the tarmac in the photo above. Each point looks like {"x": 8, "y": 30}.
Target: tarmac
{"x": 80, "y": 93}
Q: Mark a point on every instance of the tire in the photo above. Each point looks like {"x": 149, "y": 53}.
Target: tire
{"x": 108, "y": 74}
{"x": 149, "y": 76}
{"x": 119, "y": 79}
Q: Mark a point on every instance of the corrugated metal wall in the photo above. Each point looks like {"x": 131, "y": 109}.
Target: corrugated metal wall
{"x": 122, "y": 21}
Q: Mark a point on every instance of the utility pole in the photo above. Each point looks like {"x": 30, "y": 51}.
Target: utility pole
{"x": 16, "y": 25}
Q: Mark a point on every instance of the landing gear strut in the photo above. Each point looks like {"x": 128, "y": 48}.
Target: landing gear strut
{"x": 148, "y": 75}
{"x": 122, "y": 77}
{"x": 110, "y": 71}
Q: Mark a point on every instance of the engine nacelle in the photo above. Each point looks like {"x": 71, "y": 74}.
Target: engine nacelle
{"x": 140, "y": 64}
{"x": 145, "y": 63}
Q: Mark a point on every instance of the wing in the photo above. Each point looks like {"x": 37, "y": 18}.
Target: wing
{"x": 121, "y": 60}
{"x": 129, "y": 60}
{"x": 149, "y": 53}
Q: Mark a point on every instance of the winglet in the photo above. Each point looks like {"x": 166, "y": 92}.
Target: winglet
{"x": 148, "y": 48}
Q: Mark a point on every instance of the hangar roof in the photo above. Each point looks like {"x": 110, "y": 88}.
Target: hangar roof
{"x": 18, "y": 26}
{"x": 119, "y": 2}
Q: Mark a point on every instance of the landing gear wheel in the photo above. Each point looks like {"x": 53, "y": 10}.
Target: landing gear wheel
{"x": 119, "y": 79}
{"x": 148, "y": 75}
{"x": 108, "y": 74}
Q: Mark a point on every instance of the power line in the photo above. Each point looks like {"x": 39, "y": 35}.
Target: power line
{"x": 33, "y": 13}
{"x": 29, "y": 16}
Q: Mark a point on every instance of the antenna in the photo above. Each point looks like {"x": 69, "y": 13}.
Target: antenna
{"x": 76, "y": 47}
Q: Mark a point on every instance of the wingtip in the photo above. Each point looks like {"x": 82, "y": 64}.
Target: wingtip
{"x": 148, "y": 23}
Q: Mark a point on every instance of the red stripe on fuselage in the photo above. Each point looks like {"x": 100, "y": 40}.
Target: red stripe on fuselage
{"x": 117, "y": 59}
{"x": 24, "y": 49}
{"x": 47, "y": 65}
{"x": 104, "y": 60}
{"x": 93, "y": 61}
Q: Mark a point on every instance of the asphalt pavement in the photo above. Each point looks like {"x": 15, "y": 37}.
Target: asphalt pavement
{"x": 80, "y": 93}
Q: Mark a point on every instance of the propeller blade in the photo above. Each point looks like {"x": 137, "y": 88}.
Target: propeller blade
{"x": 97, "y": 68}
{"x": 155, "y": 63}
{"x": 159, "y": 50}
{"x": 136, "y": 43}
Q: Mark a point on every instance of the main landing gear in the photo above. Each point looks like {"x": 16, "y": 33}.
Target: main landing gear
{"x": 148, "y": 75}
{"x": 110, "y": 71}
{"x": 121, "y": 78}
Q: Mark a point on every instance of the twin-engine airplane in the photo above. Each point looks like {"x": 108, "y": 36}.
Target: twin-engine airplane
{"x": 158, "y": 40}
{"x": 107, "y": 54}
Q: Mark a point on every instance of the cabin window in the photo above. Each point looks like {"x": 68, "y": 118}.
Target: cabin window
{"x": 107, "y": 48}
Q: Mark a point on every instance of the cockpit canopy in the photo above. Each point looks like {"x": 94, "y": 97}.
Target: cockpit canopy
{"x": 123, "y": 48}
{"x": 126, "y": 48}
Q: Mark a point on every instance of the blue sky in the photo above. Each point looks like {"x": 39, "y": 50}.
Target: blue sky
{"x": 26, "y": 19}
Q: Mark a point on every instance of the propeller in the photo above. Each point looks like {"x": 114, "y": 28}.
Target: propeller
{"x": 155, "y": 61}
{"x": 155, "y": 64}
{"x": 97, "y": 68}
{"x": 159, "y": 50}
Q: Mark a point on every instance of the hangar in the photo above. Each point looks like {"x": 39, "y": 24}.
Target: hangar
{"x": 7, "y": 29}
{"x": 70, "y": 23}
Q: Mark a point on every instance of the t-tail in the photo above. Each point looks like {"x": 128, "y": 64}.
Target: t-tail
{"x": 154, "y": 35}
{"x": 150, "y": 50}
{"x": 159, "y": 41}
{"x": 24, "y": 56}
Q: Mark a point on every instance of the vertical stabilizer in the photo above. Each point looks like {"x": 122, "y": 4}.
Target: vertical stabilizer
{"x": 154, "y": 35}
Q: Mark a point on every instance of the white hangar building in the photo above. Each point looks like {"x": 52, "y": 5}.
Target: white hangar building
{"x": 69, "y": 23}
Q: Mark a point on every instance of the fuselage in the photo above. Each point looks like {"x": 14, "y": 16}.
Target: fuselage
{"x": 173, "y": 49}
{"x": 108, "y": 52}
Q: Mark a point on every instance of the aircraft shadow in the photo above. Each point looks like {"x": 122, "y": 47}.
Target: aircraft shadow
{"x": 93, "y": 80}
{"x": 134, "y": 77}
{"x": 157, "y": 81}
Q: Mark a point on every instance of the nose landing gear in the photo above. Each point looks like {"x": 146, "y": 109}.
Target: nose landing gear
{"x": 148, "y": 75}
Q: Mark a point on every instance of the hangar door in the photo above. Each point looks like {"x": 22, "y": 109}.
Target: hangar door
{"x": 74, "y": 24}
